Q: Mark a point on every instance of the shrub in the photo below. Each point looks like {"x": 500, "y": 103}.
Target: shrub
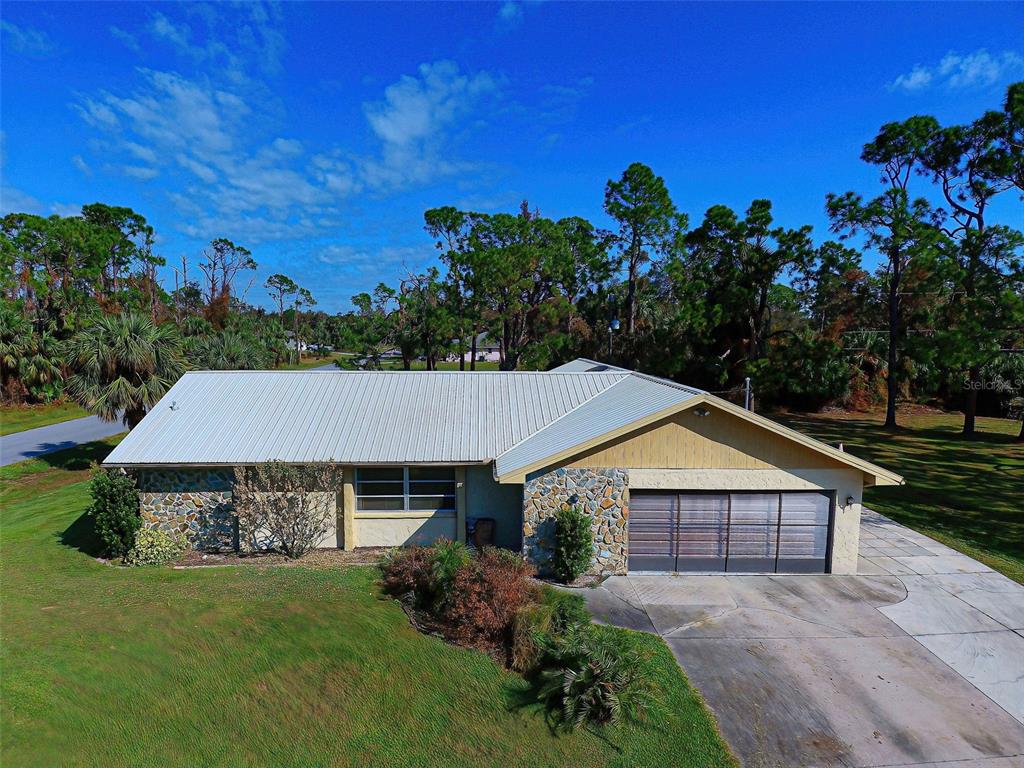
{"x": 406, "y": 570}
{"x": 448, "y": 558}
{"x": 156, "y": 547}
{"x": 589, "y": 678}
{"x": 283, "y": 506}
{"x": 114, "y": 510}
{"x": 530, "y": 629}
{"x": 574, "y": 543}
{"x": 556, "y": 613}
{"x": 486, "y": 594}
{"x": 567, "y": 609}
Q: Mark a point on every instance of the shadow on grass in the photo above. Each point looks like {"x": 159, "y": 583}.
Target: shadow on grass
{"x": 81, "y": 535}
{"x": 78, "y": 458}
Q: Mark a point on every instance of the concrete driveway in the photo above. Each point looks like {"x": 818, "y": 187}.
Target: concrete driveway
{"x": 918, "y": 668}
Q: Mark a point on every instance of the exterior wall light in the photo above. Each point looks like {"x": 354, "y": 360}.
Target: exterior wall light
{"x": 702, "y": 412}
{"x": 849, "y": 501}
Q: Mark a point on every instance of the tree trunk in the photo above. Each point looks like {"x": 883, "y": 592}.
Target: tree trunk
{"x": 1020, "y": 437}
{"x": 472, "y": 351}
{"x": 631, "y": 296}
{"x": 133, "y": 416}
{"x": 891, "y": 381}
{"x": 298, "y": 351}
{"x": 971, "y": 404}
{"x": 462, "y": 352}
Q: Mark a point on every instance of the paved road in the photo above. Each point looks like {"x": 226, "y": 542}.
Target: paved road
{"x": 54, "y": 437}
{"x": 918, "y": 662}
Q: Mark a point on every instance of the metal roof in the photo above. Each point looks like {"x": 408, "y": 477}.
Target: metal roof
{"x": 583, "y": 365}
{"x": 230, "y": 417}
{"x": 517, "y": 419}
{"x": 630, "y": 399}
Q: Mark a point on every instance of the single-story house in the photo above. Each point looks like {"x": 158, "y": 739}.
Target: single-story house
{"x": 674, "y": 478}
{"x": 486, "y": 350}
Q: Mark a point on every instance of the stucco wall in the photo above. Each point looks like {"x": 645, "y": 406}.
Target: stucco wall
{"x": 486, "y": 498}
{"x": 195, "y": 502}
{"x": 845, "y": 482}
{"x": 603, "y": 494}
{"x": 397, "y": 531}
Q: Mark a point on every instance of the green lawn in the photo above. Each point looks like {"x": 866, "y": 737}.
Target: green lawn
{"x": 309, "y": 361}
{"x": 18, "y": 418}
{"x": 272, "y": 666}
{"x": 966, "y": 493}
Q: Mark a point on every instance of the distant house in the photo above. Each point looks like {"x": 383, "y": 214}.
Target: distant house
{"x": 486, "y": 351}
{"x": 674, "y": 478}
{"x": 290, "y": 337}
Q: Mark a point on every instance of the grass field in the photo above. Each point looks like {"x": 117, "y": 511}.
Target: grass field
{"x": 260, "y": 666}
{"x": 19, "y": 418}
{"x": 966, "y": 493}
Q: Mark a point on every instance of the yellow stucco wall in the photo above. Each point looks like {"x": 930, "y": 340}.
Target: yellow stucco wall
{"x": 717, "y": 441}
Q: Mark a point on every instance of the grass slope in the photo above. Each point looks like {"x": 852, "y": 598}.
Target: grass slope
{"x": 965, "y": 493}
{"x": 273, "y": 666}
{"x": 19, "y": 418}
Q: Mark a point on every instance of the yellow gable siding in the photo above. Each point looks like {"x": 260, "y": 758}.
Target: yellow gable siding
{"x": 717, "y": 441}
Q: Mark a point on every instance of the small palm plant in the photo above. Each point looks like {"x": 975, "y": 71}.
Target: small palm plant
{"x": 587, "y": 678}
{"x": 123, "y": 364}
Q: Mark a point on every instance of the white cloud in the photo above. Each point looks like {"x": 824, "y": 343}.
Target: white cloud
{"x": 81, "y": 165}
{"x": 209, "y": 136}
{"x": 140, "y": 172}
{"x": 230, "y": 40}
{"x": 956, "y": 71}
{"x": 127, "y": 38}
{"x": 510, "y": 14}
{"x": 413, "y": 119}
{"x": 26, "y": 40}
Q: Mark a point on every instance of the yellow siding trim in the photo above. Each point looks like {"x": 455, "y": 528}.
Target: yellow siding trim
{"x": 729, "y": 438}
{"x": 349, "y": 507}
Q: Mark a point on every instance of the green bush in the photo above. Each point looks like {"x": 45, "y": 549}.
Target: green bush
{"x": 568, "y": 609}
{"x": 449, "y": 557}
{"x": 589, "y": 678}
{"x": 114, "y": 510}
{"x": 155, "y": 547}
{"x": 556, "y": 613}
{"x": 574, "y": 543}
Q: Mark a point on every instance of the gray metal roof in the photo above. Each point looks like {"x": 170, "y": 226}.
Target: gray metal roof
{"x": 229, "y": 417}
{"x": 583, "y": 365}
{"x": 631, "y": 398}
{"x": 518, "y": 420}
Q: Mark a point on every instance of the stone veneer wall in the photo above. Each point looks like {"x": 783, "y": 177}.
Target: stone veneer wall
{"x": 604, "y": 494}
{"x": 195, "y": 502}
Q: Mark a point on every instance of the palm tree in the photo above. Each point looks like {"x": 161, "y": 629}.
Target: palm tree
{"x": 123, "y": 364}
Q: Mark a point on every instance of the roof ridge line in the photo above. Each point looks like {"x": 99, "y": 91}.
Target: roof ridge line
{"x": 668, "y": 382}
{"x": 555, "y": 421}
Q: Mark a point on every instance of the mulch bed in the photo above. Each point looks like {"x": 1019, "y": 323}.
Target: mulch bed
{"x": 317, "y": 558}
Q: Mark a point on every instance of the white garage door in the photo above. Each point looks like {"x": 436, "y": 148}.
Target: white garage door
{"x": 738, "y": 532}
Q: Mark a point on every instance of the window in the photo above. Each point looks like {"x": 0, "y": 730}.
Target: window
{"x": 405, "y": 489}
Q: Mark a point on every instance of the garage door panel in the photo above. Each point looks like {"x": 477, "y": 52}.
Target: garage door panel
{"x": 735, "y": 532}
{"x": 754, "y": 509}
{"x": 806, "y": 508}
{"x": 651, "y": 531}
{"x": 807, "y": 541}
{"x": 703, "y": 509}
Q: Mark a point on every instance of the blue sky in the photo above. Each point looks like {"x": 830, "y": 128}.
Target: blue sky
{"x": 317, "y": 134}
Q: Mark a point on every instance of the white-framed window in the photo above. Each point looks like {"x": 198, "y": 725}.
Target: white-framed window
{"x": 405, "y": 489}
